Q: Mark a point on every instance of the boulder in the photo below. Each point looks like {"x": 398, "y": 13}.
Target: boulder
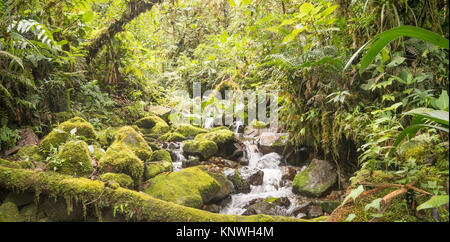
{"x": 273, "y": 142}
{"x": 189, "y": 131}
{"x": 73, "y": 159}
{"x": 128, "y": 137}
{"x": 203, "y": 148}
{"x": 10, "y": 213}
{"x": 160, "y": 162}
{"x": 239, "y": 184}
{"x": 191, "y": 187}
{"x": 61, "y": 133}
{"x": 119, "y": 159}
{"x": 256, "y": 178}
{"x": 153, "y": 125}
{"x": 161, "y": 111}
{"x": 316, "y": 180}
{"x": 190, "y": 161}
{"x": 224, "y": 139}
{"x": 172, "y": 137}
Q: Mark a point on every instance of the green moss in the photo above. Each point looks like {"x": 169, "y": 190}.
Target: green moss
{"x": 139, "y": 206}
{"x": 129, "y": 138}
{"x": 10, "y": 213}
{"x": 190, "y": 187}
{"x": 161, "y": 155}
{"x": 26, "y": 164}
{"x": 204, "y": 148}
{"x": 63, "y": 116}
{"x": 8, "y": 163}
{"x": 153, "y": 125}
{"x": 258, "y": 124}
{"x": 106, "y": 136}
{"x": 220, "y": 137}
{"x": 172, "y": 137}
{"x": 189, "y": 131}
{"x": 30, "y": 213}
{"x": 119, "y": 159}
{"x": 122, "y": 179}
{"x": 75, "y": 159}
{"x": 161, "y": 112}
{"x": 303, "y": 184}
{"x": 97, "y": 152}
{"x": 30, "y": 152}
{"x": 155, "y": 168}
{"x": 61, "y": 133}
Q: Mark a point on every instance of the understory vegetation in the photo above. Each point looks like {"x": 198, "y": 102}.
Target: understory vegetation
{"x": 362, "y": 84}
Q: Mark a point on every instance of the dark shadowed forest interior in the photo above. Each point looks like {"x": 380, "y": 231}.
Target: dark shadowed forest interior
{"x": 116, "y": 110}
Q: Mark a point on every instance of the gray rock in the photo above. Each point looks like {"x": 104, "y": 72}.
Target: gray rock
{"x": 273, "y": 142}
{"x": 316, "y": 180}
{"x": 256, "y": 178}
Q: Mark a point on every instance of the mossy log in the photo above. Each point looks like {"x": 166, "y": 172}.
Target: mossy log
{"x": 136, "y": 205}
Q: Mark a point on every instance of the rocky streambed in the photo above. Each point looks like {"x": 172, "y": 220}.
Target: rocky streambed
{"x": 229, "y": 171}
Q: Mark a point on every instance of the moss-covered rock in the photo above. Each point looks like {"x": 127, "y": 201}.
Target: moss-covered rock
{"x": 220, "y": 137}
{"x": 259, "y": 124}
{"x": 203, "y": 148}
{"x": 224, "y": 139}
{"x": 239, "y": 184}
{"x": 106, "y": 136}
{"x": 172, "y": 137}
{"x": 61, "y": 133}
{"x": 73, "y": 159}
{"x": 30, "y": 213}
{"x": 160, "y": 155}
{"x": 140, "y": 206}
{"x": 8, "y": 163}
{"x": 189, "y": 131}
{"x": 160, "y": 111}
{"x": 155, "y": 168}
{"x": 30, "y": 152}
{"x": 191, "y": 187}
{"x": 122, "y": 179}
{"x": 316, "y": 180}
{"x": 10, "y": 213}
{"x": 128, "y": 137}
{"x": 120, "y": 159}
{"x": 153, "y": 125}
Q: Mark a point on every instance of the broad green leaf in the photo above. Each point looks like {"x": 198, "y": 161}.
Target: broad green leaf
{"x": 350, "y": 217}
{"x": 442, "y": 102}
{"x": 292, "y": 35}
{"x": 305, "y": 8}
{"x": 434, "y": 202}
{"x": 374, "y": 204}
{"x": 354, "y": 194}
{"x": 383, "y": 39}
{"x": 438, "y": 116}
{"x": 396, "y": 61}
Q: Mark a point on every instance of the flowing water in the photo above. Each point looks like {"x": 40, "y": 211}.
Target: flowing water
{"x": 270, "y": 164}
{"x": 270, "y": 188}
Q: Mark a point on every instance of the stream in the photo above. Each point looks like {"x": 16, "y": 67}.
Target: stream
{"x": 271, "y": 187}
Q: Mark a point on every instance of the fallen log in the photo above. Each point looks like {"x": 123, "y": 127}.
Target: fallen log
{"x": 136, "y": 205}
